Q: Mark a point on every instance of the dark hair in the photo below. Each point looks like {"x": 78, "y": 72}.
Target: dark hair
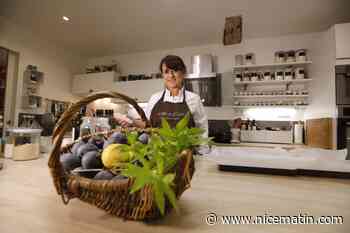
{"x": 173, "y": 62}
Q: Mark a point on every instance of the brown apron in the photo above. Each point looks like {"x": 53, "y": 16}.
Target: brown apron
{"x": 172, "y": 112}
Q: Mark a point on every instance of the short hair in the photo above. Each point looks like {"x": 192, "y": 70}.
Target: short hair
{"x": 173, "y": 62}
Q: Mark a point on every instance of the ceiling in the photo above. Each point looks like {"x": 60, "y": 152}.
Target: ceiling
{"x": 106, "y": 27}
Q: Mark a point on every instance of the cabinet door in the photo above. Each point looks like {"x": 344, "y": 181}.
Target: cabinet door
{"x": 141, "y": 90}
{"x": 342, "y": 40}
{"x": 86, "y": 83}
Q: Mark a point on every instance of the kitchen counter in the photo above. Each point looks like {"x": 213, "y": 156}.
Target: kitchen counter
{"x": 29, "y": 203}
{"x": 263, "y": 145}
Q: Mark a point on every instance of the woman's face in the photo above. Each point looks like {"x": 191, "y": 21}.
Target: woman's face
{"x": 172, "y": 79}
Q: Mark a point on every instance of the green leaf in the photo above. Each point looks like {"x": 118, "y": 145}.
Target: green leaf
{"x": 165, "y": 124}
{"x": 166, "y": 133}
{"x": 169, "y": 178}
{"x": 159, "y": 197}
{"x": 132, "y": 137}
{"x": 170, "y": 194}
{"x": 196, "y": 131}
{"x": 183, "y": 123}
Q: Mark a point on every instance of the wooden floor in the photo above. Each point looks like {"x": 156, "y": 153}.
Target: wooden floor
{"x": 28, "y": 203}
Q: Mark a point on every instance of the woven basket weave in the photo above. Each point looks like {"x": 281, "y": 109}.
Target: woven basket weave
{"x": 111, "y": 195}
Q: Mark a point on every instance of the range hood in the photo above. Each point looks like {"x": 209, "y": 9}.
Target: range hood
{"x": 203, "y": 81}
{"x": 201, "y": 67}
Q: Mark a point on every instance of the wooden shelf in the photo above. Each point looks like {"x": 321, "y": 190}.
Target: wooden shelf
{"x": 273, "y": 82}
{"x": 272, "y": 65}
{"x": 269, "y": 96}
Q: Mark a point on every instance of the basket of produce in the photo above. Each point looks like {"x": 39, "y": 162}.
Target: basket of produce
{"x": 136, "y": 174}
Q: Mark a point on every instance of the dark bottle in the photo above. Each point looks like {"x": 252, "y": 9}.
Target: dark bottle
{"x": 249, "y": 125}
{"x": 254, "y": 125}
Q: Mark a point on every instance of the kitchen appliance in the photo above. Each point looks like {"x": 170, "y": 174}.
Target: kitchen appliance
{"x": 343, "y": 128}
{"x": 342, "y": 82}
{"x": 220, "y": 130}
{"x": 203, "y": 81}
{"x": 202, "y": 64}
{"x": 299, "y": 73}
{"x": 300, "y": 55}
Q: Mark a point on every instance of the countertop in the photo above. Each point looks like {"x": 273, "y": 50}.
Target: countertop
{"x": 263, "y": 145}
{"x": 29, "y": 203}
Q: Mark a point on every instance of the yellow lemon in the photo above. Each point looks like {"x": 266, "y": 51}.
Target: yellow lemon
{"x": 112, "y": 156}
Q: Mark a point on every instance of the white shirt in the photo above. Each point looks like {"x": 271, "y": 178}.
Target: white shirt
{"x": 192, "y": 100}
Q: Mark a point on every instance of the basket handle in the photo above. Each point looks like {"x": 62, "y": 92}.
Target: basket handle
{"x": 65, "y": 121}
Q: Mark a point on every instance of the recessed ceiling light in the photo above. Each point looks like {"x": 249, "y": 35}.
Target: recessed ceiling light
{"x": 65, "y": 18}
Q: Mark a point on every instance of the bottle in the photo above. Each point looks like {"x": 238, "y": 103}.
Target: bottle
{"x": 249, "y": 125}
{"x": 254, "y": 125}
{"x": 243, "y": 126}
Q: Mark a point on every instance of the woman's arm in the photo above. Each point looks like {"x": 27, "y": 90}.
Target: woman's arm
{"x": 200, "y": 117}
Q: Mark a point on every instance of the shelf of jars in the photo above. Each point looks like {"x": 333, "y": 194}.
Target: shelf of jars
{"x": 295, "y": 103}
{"x": 273, "y": 65}
{"x": 271, "y": 94}
{"x": 268, "y": 82}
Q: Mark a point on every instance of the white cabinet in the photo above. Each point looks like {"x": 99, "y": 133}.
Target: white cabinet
{"x": 86, "y": 83}
{"x": 141, "y": 90}
{"x": 342, "y": 40}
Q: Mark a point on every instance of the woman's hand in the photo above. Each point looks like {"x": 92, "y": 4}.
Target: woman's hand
{"x": 123, "y": 120}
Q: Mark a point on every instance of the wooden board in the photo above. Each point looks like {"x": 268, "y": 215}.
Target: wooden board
{"x": 319, "y": 133}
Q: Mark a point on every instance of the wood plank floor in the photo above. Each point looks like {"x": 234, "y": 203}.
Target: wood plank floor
{"x": 28, "y": 203}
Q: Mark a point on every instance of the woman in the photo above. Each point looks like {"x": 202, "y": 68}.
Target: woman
{"x": 174, "y": 102}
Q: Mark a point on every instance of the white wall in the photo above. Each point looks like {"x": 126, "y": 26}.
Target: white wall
{"x": 323, "y": 72}
{"x": 322, "y": 96}
{"x": 57, "y": 64}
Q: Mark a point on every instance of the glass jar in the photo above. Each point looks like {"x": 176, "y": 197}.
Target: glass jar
{"x": 23, "y": 144}
{"x": 91, "y": 125}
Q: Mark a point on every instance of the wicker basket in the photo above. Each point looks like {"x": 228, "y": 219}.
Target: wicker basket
{"x": 111, "y": 195}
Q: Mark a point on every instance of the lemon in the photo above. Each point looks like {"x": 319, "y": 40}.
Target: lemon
{"x": 113, "y": 157}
